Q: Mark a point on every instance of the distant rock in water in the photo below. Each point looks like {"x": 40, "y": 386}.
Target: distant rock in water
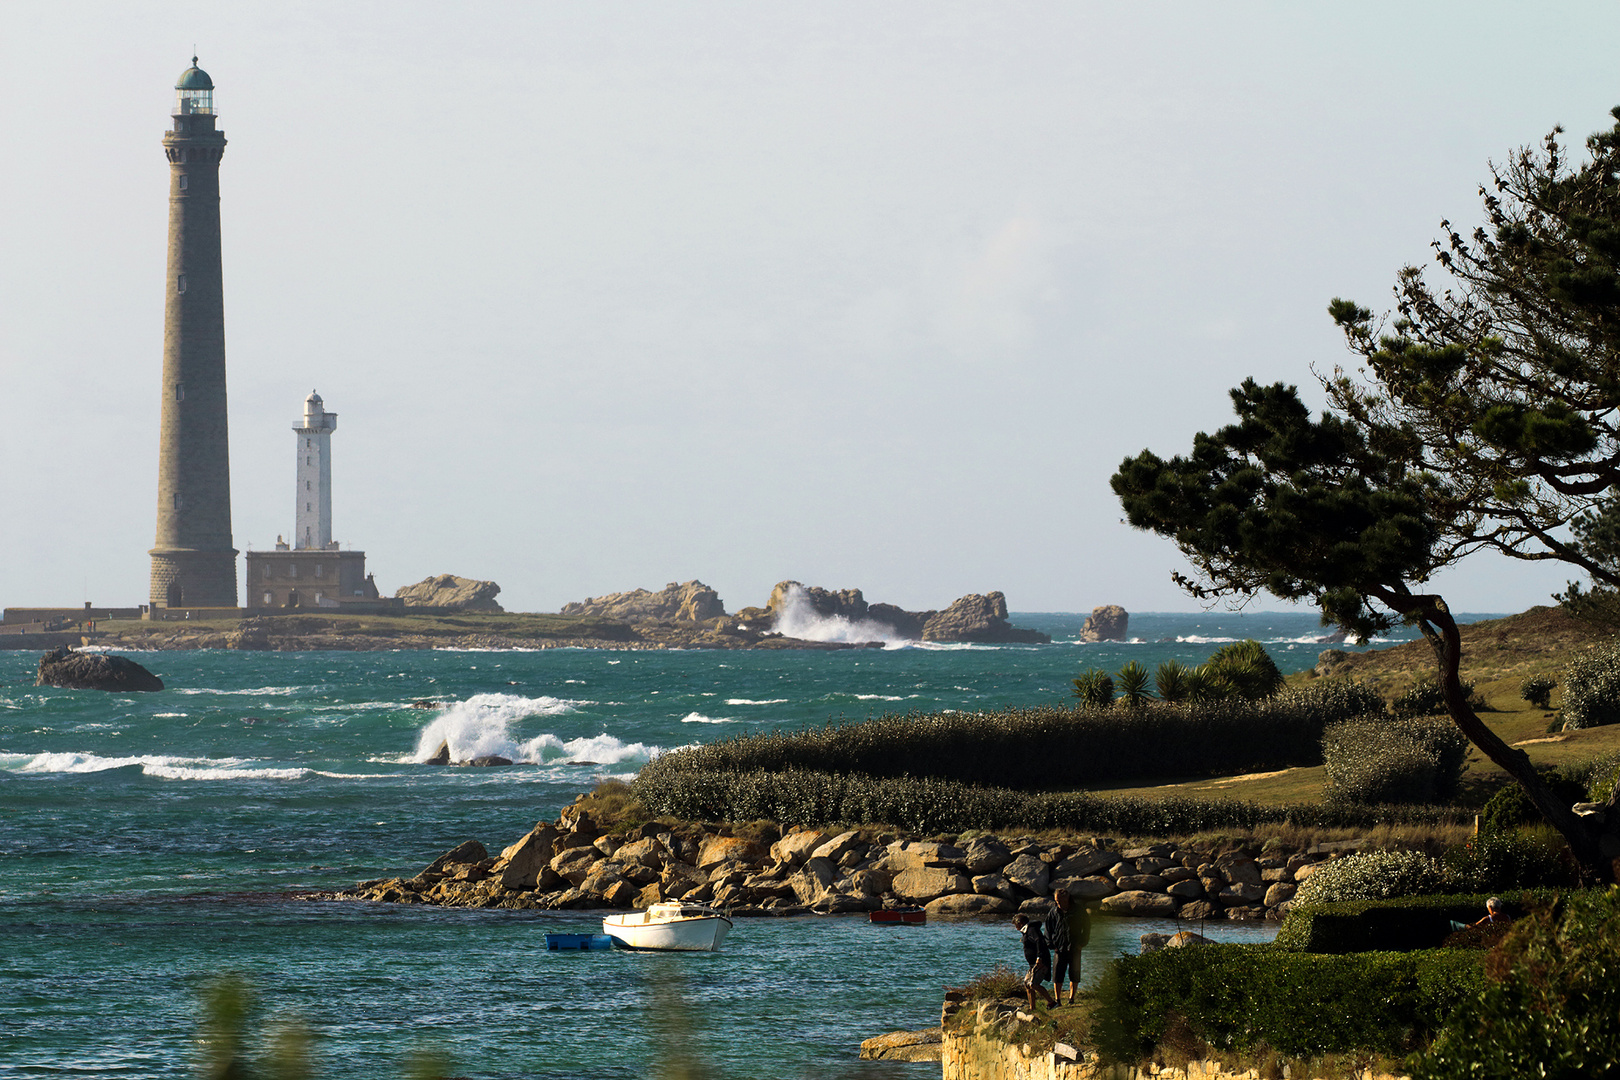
{"x": 94, "y": 671}
{"x": 1107, "y": 623}
{"x": 973, "y": 618}
{"x": 980, "y": 619}
{"x": 452, "y": 593}
{"x": 676, "y": 602}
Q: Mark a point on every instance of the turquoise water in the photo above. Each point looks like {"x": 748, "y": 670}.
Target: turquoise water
{"x": 150, "y": 842}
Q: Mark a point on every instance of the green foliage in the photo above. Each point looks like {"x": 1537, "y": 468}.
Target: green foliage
{"x": 1427, "y": 698}
{"x": 1537, "y": 690}
{"x": 1510, "y": 859}
{"x": 930, "y": 805}
{"x": 1133, "y": 684}
{"x": 1592, "y": 688}
{"x": 1372, "y": 875}
{"x": 1372, "y": 760}
{"x": 230, "y": 1016}
{"x": 1037, "y": 747}
{"x": 1249, "y": 997}
{"x": 1175, "y": 681}
{"x": 1412, "y": 922}
{"x": 1549, "y": 1010}
{"x": 1000, "y": 982}
{"x": 1602, "y": 776}
{"x": 1244, "y": 669}
{"x": 1094, "y": 688}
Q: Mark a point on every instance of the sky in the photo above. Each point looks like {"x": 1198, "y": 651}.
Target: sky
{"x": 611, "y": 295}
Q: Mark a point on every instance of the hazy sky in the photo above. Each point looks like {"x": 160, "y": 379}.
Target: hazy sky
{"x": 610, "y": 295}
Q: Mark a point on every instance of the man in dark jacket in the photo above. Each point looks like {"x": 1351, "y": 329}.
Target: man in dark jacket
{"x": 1039, "y": 958}
{"x": 1068, "y": 928}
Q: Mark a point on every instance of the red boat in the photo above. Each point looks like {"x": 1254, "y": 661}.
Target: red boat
{"x": 904, "y": 916}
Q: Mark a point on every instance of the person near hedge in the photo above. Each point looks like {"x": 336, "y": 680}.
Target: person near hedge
{"x": 1068, "y": 929}
{"x": 1039, "y": 957}
{"x": 1495, "y": 911}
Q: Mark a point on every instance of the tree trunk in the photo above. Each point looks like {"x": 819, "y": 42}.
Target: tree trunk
{"x": 1586, "y": 844}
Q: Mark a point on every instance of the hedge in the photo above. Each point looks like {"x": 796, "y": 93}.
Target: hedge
{"x": 1253, "y": 997}
{"x": 1042, "y": 747}
{"x": 1406, "y": 923}
{"x": 930, "y": 805}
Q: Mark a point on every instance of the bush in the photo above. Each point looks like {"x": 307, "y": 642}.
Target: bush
{"x": 1510, "y": 859}
{"x": 1592, "y": 688}
{"x": 1251, "y": 997}
{"x": 1426, "y": 698}
{"x": 1175, "y": 681}
{"x": 1550, "y": 1008}
{"x": 1244, "y": 669}
{"x": 1537, "y": 690}
{"x": 1603, "y": 775}
{"x": 1094, "y": 688}
{"x": 1403, "y": 923}
{"x": 1372, "y": 875}
{"x": 929, "y": 805}
{"x": 1372, "y": 760}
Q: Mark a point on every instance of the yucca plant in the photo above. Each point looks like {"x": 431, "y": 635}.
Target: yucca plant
{"x": 1094, "y": 687}
{"x": 1174, "y": 681}
{"x": 1133, "y": 684}
{"x": 1244, "y": 669}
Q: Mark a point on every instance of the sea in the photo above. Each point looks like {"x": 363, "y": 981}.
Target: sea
{"x": 152, "y": 844}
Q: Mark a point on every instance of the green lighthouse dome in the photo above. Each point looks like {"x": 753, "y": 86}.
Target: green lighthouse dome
{"x": 194, "y": 78}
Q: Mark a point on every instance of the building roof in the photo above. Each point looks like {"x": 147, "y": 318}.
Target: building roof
{"x": 194, "y": 78}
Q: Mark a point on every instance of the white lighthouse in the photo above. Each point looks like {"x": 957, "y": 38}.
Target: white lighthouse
{"x": 312, "y": 524}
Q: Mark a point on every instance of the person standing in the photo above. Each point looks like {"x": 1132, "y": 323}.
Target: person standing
{"x": 1039, "y": 958}
{"x": 1068, "y": 928}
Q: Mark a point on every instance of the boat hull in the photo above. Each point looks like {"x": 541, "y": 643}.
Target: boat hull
{"x": 680, "y": 935}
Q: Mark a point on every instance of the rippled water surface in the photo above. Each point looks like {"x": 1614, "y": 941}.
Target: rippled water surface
{"x": 150, "y": 842}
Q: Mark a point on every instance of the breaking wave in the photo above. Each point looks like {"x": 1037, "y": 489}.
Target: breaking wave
{"x": 481, "y": 727}
{"x": 798, "y": 619}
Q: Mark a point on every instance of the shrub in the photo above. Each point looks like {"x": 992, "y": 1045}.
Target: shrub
{"x": 1510, "y": 859}
{"x": 1371, "y": 760}
{"x": 1094, "y": 687}
{"x": 1133, "y": 683}
{"x": 1402, "y": 923}
{"x": 1537, "y": 690}
{"x": 1602, "y": 775}
{"x": 1372, "y": 875}
{"x": 1592, "y": 688}
{"x": 1244, "y": 669}
{"x": 1426, "y": 698}
{"x": 1550, "y": 1008}
{"x": 1249, "y": 997}
{"x": 1174, "y": 681}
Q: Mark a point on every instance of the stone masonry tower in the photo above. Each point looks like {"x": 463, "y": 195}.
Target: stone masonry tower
{"x": 193, "y": 562}
{"x": 313, "y": 520}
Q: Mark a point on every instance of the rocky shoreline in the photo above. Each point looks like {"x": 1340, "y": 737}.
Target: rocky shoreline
{"x": 574, "y": 863}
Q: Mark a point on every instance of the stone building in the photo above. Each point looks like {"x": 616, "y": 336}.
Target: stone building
{"x": 193, "y": 562}
{"x": 313, "y": 571}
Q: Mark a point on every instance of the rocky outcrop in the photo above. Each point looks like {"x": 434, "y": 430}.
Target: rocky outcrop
{"x": 451, "y": 593}
{"x": 1109, "y": 622}
{"x": 972, "y": 618}
{"x": 73, "y": 670}
{"x": 921, "y": 1045}
{"x": 692, "y": 601}
{"x": 976, "y": 618}
{"x": 575, "y": 863}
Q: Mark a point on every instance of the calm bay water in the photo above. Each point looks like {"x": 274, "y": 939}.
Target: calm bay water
{"x": 149, "y": 842}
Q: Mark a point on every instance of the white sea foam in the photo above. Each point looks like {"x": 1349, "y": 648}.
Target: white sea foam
{"x": 699, "y": 718}
{"x": 601, "y": 749}
{"x": 880, "y": 697}
{"x": 477, "y": 727}
{"x": 751, "y": 701}
{"x": 261, "y": 691}
{"x": 798, "y": 619}
{"x": 163, "y": 767}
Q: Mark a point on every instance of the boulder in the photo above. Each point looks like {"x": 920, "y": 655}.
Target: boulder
{"x": 453, "y": 593}
{"x": 1106, "y": 623}
{"x": 922, "y": 886}
{"x": 796, "y": 847}
{"x": 1278, "y": 894}
{"x": 1241, "y": 894}
{"x": 73, "y": 670}
{"x": 1137, "y": 902}
{"x": 1184, "y": 939}
{"x": 680, "y": 878}
{"x": 644, "y": 852}
{"x": 1086, "y": 862}
{"x": 843, "y": 604}
{"x": 838, "y": 846}
{"x": 1240, "y": 871}
{"x": 925, "y": 1045}
{"x": 719, "y": 849}
{"x": 922, "y": 855}
{"x": 1143, "y": 882}
{"x": 1198, "y": 910}
{"x": 1186, "y": 889}
{"x": 574, "y": 863}
{"x": 1029, "y": 872}
{"x": 601, "y": 878}
{"x": 994, "y": 885}
{"x": 441, "y": 756}
{"x": 981, "y": 619}
{"x": 986, "y": 855}
{"x": 1089, "y": 888}
{"x": 487, "y": 760}
{"x": 970, "y": 904}
{"x": 525, "y": 860}
{"x": 812, "y": 883}
{"x": 692, "y": 601}
{"x": 470, "y": 852}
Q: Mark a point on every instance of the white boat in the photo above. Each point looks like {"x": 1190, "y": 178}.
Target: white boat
{"x": 670, "y": 926}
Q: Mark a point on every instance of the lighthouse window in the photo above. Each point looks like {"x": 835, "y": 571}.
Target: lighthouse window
{"x": 308, "y": 508}
{"x": 319, "y": 570}
{"x": 179, "y": 391}
{"x": 306, "y": 485}
{"x": 180, "y": 283}
{"x": 308, "y": 443}
{"x": 309, "y": 459}
{"x": 177, "y": 500}
{"x": 267, "y": 573}
{"x": 185, "y": 181}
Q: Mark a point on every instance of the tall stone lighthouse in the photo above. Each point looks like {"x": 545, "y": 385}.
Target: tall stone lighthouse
{"x": 193, "y": 562}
